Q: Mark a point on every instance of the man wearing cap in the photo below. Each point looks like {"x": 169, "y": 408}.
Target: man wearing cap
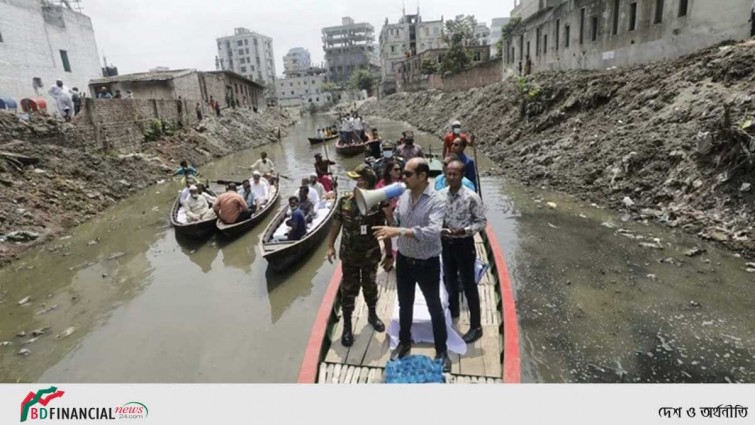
{"x": 409, "y": 150}
{"x": 190, "y": 180}
{"x": 360, "y": 252}
{"x": 316, "y": 186}
{"x": 260, "y": 188}
{"x": 230, "y": 207}
{"x": 449, "y": 138}
{"x": 63, "y": 100}
{"x": 197, "y": 208}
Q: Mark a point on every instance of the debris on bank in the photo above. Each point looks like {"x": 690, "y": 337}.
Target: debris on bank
{"x": 672, "y": 141}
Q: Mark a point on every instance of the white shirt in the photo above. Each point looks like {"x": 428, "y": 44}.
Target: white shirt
{"x": 261, "y": 190}
{"x": 317, "y": 187}
{"x": 312, "y": 195}
{"x": 264, "y": 167}
{"x": 196, "y": 206}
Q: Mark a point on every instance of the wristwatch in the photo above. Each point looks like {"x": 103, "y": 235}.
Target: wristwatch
{"x": 402, "y": 232}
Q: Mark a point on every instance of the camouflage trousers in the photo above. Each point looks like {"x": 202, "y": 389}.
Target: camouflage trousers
{"x": 355, "y": 277}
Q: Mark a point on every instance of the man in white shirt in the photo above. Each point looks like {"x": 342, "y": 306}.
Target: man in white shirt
{"x": 190, "y": 181}
{"x": 197, "y": 208}
{"x": 63, "y": 100}
{"x": 264, "y": 165}
{"x": 312, "y": 195}
{"x": 316, "y": 186}
{"x": 260, "y": 188}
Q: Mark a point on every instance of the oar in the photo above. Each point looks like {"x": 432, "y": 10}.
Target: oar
{"x": 477, "y": 172}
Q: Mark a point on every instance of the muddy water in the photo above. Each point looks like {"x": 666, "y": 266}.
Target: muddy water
{"x": 147, "y": 306}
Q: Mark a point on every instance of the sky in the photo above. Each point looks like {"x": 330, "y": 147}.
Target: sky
{"x": 137, "y": 35}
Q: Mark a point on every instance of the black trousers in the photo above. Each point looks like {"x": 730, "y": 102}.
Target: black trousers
{"x": 458, "y": 264}
{"x": 245, "y": 215}
{"x": 426, "y": 273}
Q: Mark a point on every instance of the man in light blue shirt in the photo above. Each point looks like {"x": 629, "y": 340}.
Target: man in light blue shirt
{"x": 441, "y": 182}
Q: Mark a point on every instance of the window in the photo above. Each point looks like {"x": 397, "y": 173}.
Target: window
{"x": 658, "y": 12}
{"x": 243, "y": 70}
{"x": 594, "y": 28}
{"x": 393, "y": 49}
{"x": 64, "y": 58}
{"x": 246, "y": 51}
{"x": 537, "y": 42}
{"x": 582, "y": 26}
{"x": 241, "y": 51}
{"x": 317, "y": 99}
{"x": 633, "y": 16}
{"x": 435, "y": 31}
{"x": 545, "y": 44}
{"x": 292, "y": 92}
{"x": 615, "y": 17}
{"x": 558, "y": 31}
{"x": 477, "y": 56}
{"x": 567, "y": 34}
{"x": 246, "y": 42}
{"x": 682, "y": 8}
{"x": 239, "y": 43}
{"x": 313, "y": 82}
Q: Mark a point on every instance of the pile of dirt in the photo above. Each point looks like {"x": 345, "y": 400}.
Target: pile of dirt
{"x": 46, "y": 188}
{"x": 668, "y": 141}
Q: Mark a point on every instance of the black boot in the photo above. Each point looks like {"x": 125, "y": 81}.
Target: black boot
{"x": 347, "y": 337}
{"x": 375, "y": 321}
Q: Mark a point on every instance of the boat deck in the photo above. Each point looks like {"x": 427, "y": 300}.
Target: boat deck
{"x": 365, "y": 360}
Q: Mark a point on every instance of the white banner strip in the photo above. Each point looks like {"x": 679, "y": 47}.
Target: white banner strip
{"x": 376, "y": 404}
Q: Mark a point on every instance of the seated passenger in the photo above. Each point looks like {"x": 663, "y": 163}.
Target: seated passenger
{"x": 297, "y": 222}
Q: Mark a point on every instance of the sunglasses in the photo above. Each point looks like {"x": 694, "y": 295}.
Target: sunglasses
{"x": 408, "y": 173}
{"x": 397, "y": 169}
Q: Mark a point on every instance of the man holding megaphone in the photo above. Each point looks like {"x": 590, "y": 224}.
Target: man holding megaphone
{"x": 360, "y": 251}
{"x": 419, "y": 217}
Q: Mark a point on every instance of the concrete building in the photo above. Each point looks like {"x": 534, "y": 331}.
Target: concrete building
{"x": 296, "y": 60}
{"x": 496, "y": 27}
{"x": 410, "y": 36}
{"x": 249, "y": 54}
{"x": 409, "y": 77}
{"x": 303, "y": 88}
{"x": 482, "y": 34}
{"x": 598, "y": 34}
{"x": 349, "y": 47}
{"x": 41, "y": 42}
{"x": 227, "y": 87}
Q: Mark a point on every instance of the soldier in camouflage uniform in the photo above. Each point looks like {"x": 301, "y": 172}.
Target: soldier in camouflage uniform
{"x": 360, "y": 252}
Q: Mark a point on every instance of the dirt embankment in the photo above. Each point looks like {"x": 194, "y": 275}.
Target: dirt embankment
{"x": 64, "y": 187}
{"x": 670, "y": 141}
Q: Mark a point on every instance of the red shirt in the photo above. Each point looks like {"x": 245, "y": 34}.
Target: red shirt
{"x": 448, "y": 141}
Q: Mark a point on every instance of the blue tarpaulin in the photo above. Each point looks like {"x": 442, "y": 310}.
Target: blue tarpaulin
{"x": 7, "y": 102}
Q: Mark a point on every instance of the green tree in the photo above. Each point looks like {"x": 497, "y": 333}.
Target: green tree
{"x": 458, "y": 35}
{"x": 362, "y": 80}
{"x": 429, "y": 66}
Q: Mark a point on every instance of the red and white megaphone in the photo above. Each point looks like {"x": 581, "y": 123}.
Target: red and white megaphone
{"x": 367, "y": 199}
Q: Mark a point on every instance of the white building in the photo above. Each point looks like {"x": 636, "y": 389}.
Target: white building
{"x": 296, "y": 60}
{"x": 303, "y": 88}
{"x": 496, "y": 27}
{"x": 482, "y": 34}
{"x": 410, "y": 36}
{"x": 41, "y": 43}
{"x": 249, "y": 54}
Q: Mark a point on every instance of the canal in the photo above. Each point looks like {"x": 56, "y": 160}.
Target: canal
{"x": 600, "y": 298}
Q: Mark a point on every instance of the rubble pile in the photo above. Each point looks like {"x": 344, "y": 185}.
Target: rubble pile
{"x": 671, "y": 141}
{"x": 60, "y": 187}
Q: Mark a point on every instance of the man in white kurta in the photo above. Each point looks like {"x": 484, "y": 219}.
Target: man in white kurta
{"x": 63, "y": 100}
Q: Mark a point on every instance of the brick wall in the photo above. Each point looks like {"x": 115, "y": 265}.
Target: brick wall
{"x": 120, "y": 124}
{"x": 479, "y": 76}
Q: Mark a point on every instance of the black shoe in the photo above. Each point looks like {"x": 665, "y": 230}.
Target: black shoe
{"x": 347, "y": 337}
{"x": 401, "y": 351}
{"x": 472, "y": 336}
{"x": 446, "y": 361}
{"x": 375, "y": 321}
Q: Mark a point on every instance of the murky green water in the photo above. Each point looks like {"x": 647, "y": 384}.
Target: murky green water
{"x": 148, "y": 306}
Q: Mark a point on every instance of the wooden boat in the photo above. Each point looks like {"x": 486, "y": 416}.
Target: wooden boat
{"x": 316, "y": 140}
{"x": 281, "y": 255}
{"x": 234, "y": 230}
{"x": 197, "y": 229}
{"x": 350, "y": 150}
{"x": 492, "y": 359}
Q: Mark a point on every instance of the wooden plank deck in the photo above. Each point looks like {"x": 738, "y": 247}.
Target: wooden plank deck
{"x": 365, "y": 360}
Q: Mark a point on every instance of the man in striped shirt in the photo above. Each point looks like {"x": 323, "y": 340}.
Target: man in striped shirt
{"x": 464, "y": 218}
{"x": 418, "y": 221}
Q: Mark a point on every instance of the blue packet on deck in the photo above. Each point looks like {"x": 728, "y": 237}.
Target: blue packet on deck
{"x": 415, "y": 369}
